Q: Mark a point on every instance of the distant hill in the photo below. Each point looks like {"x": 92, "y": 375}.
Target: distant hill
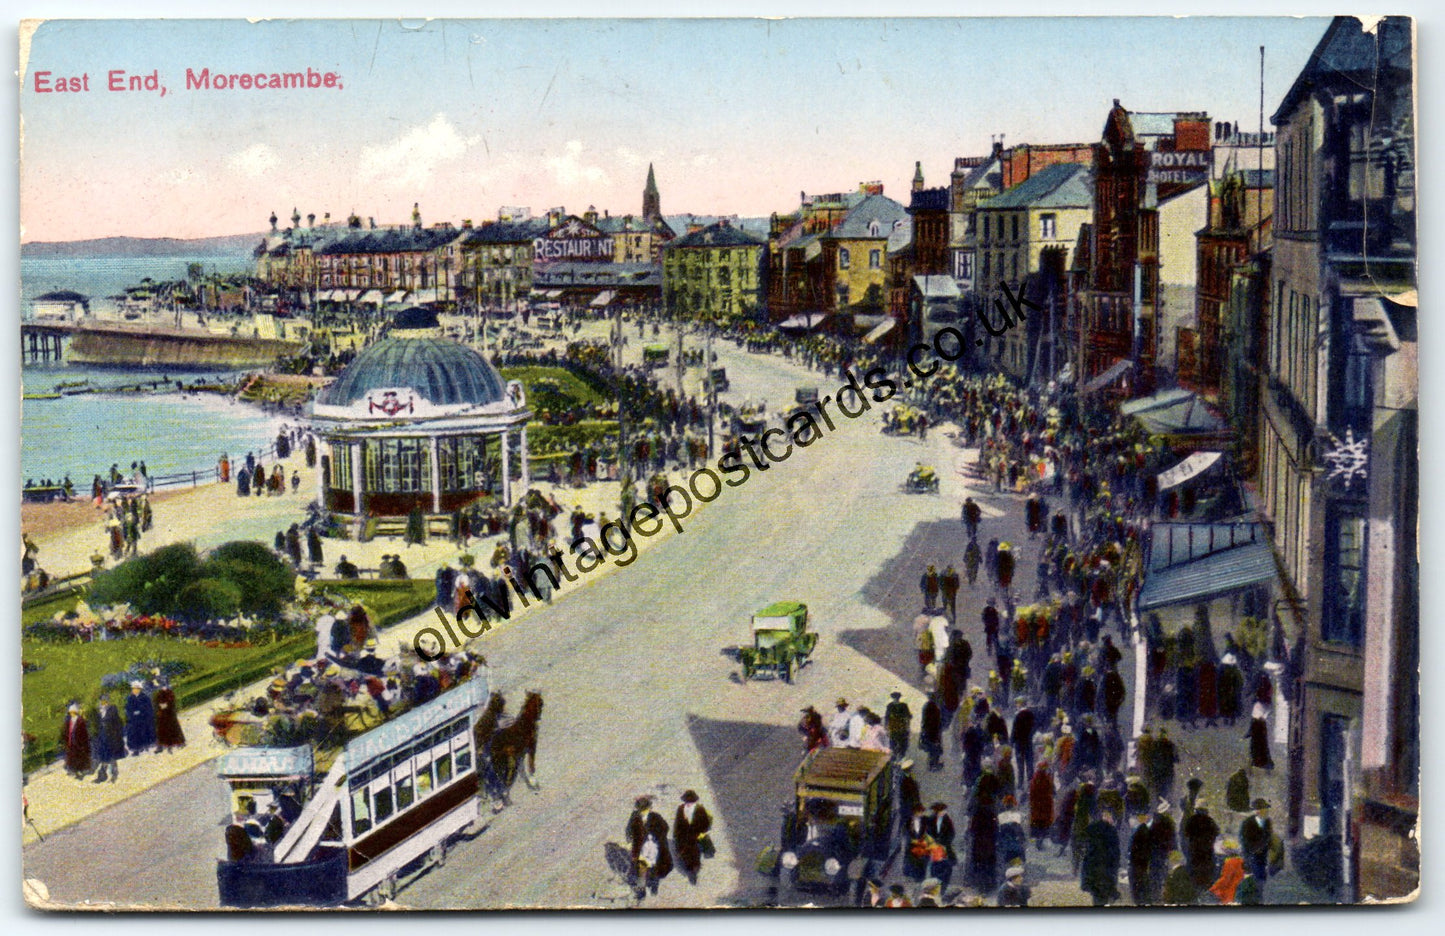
{"x": 228, "y": 245}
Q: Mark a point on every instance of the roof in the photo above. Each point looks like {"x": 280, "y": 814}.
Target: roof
{"x": 880, "y": 208}
{"x": 1103, "y": 379}
{"x": 1345, "y": 53}
{"x": 780, "y": 608}
{"x": 1190, "y": 562}
{"x": 932, "y": 199}
{"x": 442, "y": 372}
{"x": 387, "y": 240}
{"x": 508, "y": 232}
{"x": 841, "y": 768}
{"x": 721, "y": 234}
{"x": 1067, "y": 185}
{"x": 937, "y": 287}
{"x": 902, "y": 236}
{"x": 61, "y": 295}
{"x": 987, "y": 175}
{"x": 1173, "y": 412}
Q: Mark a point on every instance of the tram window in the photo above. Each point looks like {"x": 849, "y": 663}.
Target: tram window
{"x": 463, "y": 754}
{"x": 405, "y": 794}
{"x": 444, "y": 768}
{"x": 382, "y": 799}
{"x": 423, "y": 781}
{"x": 360, "y": 813}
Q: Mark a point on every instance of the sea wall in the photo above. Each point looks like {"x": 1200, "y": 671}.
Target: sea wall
{"x": 152, "y": 348}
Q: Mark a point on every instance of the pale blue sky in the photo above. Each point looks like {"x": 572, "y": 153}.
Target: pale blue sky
{"x": 464, "y": 116}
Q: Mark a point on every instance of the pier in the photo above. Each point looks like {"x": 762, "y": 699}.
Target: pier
{"x": 43, "y": 343}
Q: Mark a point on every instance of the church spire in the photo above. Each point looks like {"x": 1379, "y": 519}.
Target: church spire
{"x": 651, "y": 200}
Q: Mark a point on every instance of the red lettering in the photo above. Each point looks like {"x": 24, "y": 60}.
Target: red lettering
{"x": 313, "y": 78}
{"x": 115, "y": 79}
{"x": 198, "y": 82}
{"x": 330, "y": 79}
{"x": 245, "y": 82}
{"x": 42, "y": 83}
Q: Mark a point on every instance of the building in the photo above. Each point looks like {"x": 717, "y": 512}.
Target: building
{"x": 496, "y": 260}
{"x": 1339, "y": 473}
{"x": 1143, "y": 160}
{"x": 1228, "y": 240}
{"x": 829, "y": 256}
{"x": 1015, "y": 230}
{"x": 418, "y": 423}
{"x": 717, "y": 274}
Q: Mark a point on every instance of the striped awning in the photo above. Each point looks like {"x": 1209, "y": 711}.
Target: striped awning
{"x": 604, "y": 298}
{"x": 1191, "y": 467}
{"x": 371, "y": 297}
{"x": 883, "y": 328}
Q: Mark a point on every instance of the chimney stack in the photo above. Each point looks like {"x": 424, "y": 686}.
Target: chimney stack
{"x": 311, "y": 220}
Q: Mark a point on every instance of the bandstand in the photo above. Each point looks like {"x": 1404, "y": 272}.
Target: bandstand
{"x": 418, "y": 421}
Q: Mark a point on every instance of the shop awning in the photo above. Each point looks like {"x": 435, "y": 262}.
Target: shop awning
{"x": 371, "y": 297}
{"x": 554, "y": 294}
{"x": 881, "y": 329}
{"x": 603, "y": 299}
{"x": 1191, "y": 467}
{"x": 804, "y": 322}
{"x": 400, "y": 297}
{"x": 1174, "y": 413}
{"x": 326, "y": 295}
{"x": 1193, "y": 562}
{"x": 1100, "y": 381}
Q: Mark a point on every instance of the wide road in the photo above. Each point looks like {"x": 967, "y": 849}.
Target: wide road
{"x": 640, "y": 694}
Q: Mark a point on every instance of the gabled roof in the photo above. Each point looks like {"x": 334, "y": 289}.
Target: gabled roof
{"x": 1067, "y": 185}
{"x": 720, "y": 234}
{"x": 387, "y": 240}
{"x": 988, "y": 175}
{"x": 1348, "y": 54}
{"x": 858, "y": 222}
{"x": 936, "y": 287}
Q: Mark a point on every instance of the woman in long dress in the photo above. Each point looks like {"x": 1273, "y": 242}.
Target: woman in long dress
{"x": 1258, "y": 736}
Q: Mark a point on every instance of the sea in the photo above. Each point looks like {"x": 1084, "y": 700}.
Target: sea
{"x": 84, "y": 434}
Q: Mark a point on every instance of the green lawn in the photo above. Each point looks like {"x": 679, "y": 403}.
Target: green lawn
{"x": 74, "y": 670}
{"x": 547, "y": 387}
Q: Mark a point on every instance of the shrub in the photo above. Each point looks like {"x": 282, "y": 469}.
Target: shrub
{"x": 148, "y": 583}
{"x": 208, "y": 599}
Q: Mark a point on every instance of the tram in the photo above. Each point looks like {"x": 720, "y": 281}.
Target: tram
{"x": 392, "y": 798}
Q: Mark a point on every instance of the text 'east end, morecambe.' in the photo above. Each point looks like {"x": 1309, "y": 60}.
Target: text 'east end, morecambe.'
{"x": 118, "y": 79}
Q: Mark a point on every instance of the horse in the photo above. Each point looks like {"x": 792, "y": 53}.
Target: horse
{"x": 513, "y": 747}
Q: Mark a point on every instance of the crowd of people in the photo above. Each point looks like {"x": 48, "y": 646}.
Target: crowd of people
{"x": 150, "y": 723}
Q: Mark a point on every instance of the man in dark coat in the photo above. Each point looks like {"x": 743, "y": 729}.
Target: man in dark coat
{"x": 948, "y": 585}
{"x": 1166, "y": 755}
{"x": 1255, "y": 834}
{"x": 972, "y": 753}
{"x": 691, "y": 823}
{"x": 239, "y": 846}
{"x": 1113, "y": 695}
{"x": 646, "y": 833}
{"x": 1141, "y": 853}
{"x": 898, "y": 719}
{"x": 1162, "y": 837}
{"x": 928, "y": 584}
{"x": 313, "y": 547}
{"x": 1022, "y": 736}
{"x": 916, "y": 832}
{"x": 990, "y": 619}
{"x": 75, "y": 742}
{"x": 109, "y": 738}
{"x": 941, "y": 830}
{"x": 1231, "y": 689}
{"x": 930, "y": 733}
{"x": 140, "y": 720}
{"x": 168, "y": 721}
{"x": 1258, "y": 736}
{"x": 1199, "y": 832}
{"x": 1099, "y": 860}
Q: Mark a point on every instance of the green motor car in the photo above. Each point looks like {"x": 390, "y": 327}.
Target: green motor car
{"x": 781, "y": 641}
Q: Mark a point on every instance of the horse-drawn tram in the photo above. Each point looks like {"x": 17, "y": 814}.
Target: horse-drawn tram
{"x": 361, "y": 814}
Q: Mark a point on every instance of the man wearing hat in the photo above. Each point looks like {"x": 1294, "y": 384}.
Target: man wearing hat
{"x": 140, "y": 719}
{"x": 1255, "y": 834}
{"x": 689, "y": 832}
{"x": 1014, "y": 892}
{"x": 1199, "y": 833}
{"x": 838, "y": 725}
{"x": 647, "y": 835}
{"x": 1163, "y": 837}
{"x": 75, "y": 742}
{"x": 899, "y": 719}
{"x": 109, "y": 738}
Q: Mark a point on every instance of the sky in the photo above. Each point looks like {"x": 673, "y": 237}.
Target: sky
{"x": 738, "y": 116}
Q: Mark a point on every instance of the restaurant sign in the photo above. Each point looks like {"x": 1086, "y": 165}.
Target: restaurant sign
{"x": 1182, "y": 168}
{"x": 572, "y": 240}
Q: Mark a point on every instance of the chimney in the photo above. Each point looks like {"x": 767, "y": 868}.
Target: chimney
{"x": 326, "y": 218}
{"x": 416, "y": 216}
{"x": 590, "y": 215}
{"x": 273, "y": 222}
{"x": 311, "y": 220}
{"x": 466, "y": 224}
{"x": 371, "y": 223}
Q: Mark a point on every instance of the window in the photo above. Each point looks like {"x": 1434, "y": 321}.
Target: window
{"x": 1015, "y": 227}
{"x": 444, "y": 768}
{"x": 405, "y": 794}
{"x": 1048, "y": 225}
{"x": 843, "y": 258}
{"x": 360, "y": 812}
{"x": 985, "y": 227}
{"x": 382, "y": 800}
{"x": 875, "y": 259}
{"x": 1344, "y": 605}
